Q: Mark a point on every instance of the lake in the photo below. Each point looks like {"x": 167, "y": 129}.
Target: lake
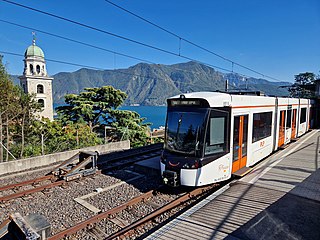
{"x": 153, "y": 114}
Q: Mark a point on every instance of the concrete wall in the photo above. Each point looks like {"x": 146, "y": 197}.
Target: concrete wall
{"x": 27, "y": 163}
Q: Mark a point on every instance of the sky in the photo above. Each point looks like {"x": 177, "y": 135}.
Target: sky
{"x": 277, "y": 38}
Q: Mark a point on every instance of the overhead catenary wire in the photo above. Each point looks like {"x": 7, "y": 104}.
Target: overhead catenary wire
{"x": 209, "y": 65}
{"x": 190, "y": 42}
{"x": 81, "y": 65}
{"x": 56, "y": 61}
{"x": 97, "y": 68}
{"x": 75, "y": 41}
{"x": 99, "y": 48}
{"x": 116, "y": 35}
{"x": 91, "y": 45}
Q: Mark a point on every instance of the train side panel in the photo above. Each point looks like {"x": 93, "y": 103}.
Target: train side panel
{"x": 302, "y": 121}
{"x": 312, "y": 113}
{"x": 294, "y": 103}
{"x": 216, "y": 171}
{"x": 283, "y": 130}
{"x": 260, "y": 130}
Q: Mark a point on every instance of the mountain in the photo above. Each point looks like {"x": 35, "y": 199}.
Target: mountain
{"x": 152, "y": 84}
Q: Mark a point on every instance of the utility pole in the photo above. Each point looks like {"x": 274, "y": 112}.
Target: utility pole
{"x": 227, "y": 86}
{"x": 42, "y": 143}
{"x": 105, "y": 134}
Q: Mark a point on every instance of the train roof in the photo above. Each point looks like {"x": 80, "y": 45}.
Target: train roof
{"x": 218, "y": 99}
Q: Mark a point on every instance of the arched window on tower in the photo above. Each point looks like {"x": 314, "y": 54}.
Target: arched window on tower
{"x": 41, "y": 102}
{"x": 40, "y": 88}
{"x": 31, "y": 68}
{"x": 38, "y": 69}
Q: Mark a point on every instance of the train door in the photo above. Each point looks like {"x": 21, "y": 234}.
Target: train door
{"x": 240, "y": 142}
{"x": 311, "y": 114}
{"x": 288, "y": 125}
{"x": 293, "y": 125}
{"x": 282, "y": 128}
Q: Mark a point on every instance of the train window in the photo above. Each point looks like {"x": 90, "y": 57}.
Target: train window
{"x": 288, "y": 125}
{"x": 184, "y": 129}
{"x": 303, "y": 117}
{"x": 261, "y": 125}
{"x": 217, "y": 136}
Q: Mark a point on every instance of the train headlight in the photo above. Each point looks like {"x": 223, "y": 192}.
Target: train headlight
{"x": 186, "y": 165}
{"x": 192, "y": 165}
{"x": 165, "y": 180}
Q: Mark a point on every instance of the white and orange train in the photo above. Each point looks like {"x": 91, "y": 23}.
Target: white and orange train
{"x": 210, "y": 135}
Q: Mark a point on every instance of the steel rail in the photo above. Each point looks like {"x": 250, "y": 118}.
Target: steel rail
{"x": 36, "y": 180}
{"x": 29, "y": 191}
{"x": 175, "y": 203}
{"x": 74, "y": 229}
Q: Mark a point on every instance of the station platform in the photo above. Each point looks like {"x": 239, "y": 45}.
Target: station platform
{"x": 279, "y": 199}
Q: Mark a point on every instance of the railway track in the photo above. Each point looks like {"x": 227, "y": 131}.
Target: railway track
{"x": 37, "y": 181}
{"x": 126, "y": 228}
{"x": 126, "y": 158}
{"x": 107, "y": 162}
{"x": 28, "y": 182}
{"x": 26, "y": 190}
{"x": 30, "y": 191}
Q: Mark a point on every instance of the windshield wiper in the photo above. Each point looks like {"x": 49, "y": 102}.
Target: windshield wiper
{"x": 178, "y": 128}
{"x": 196, "y": 147}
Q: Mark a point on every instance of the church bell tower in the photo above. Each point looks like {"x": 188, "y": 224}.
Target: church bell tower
{"x": 35, "y": 79}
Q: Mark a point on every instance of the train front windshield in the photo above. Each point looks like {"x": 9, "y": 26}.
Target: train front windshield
{"x": 185, "y": 129}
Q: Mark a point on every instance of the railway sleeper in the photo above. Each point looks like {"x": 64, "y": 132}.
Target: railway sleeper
{"x": 97, "y": 233}
{"x": 119, "y": 222}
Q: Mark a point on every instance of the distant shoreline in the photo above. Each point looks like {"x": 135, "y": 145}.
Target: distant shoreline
{"x": 153, "y": 114}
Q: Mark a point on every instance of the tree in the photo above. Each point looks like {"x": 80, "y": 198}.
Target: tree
{"x": 23, "y": 134}
{"x": 98, "y": 107}
{"x": 129, "y": 125}
{"x": 91, "y": 105}
{"x": 8, "y": 110}
{"x": 17, "y": 111}
{"x": 304, "y": 85}
{"x": 47, "y": 136}
{"x": 28, "y": 108}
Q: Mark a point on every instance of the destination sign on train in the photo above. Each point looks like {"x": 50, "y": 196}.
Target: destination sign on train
{"x": 184, "y": 102}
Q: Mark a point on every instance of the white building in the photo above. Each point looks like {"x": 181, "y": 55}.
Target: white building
{"x": 35, "y": 79}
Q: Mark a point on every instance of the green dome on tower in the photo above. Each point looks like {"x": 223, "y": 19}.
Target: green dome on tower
{"x": 34, "y": 51}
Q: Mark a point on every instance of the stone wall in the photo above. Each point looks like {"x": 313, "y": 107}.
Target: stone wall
{"x": 27, "y": 163}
